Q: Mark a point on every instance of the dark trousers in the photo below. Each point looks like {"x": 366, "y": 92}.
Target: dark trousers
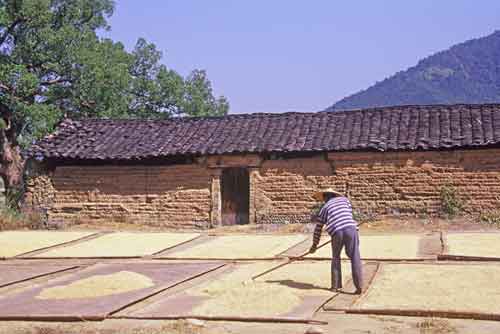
{"x": 349, "y": 238}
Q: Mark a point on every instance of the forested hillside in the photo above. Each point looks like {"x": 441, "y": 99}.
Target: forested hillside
{"x": 466, "y": 73}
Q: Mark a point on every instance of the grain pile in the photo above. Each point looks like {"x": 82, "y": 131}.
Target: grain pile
{"x": 463, "y": 288}
{"x": 241, "y": 246}
{"x": 14, "y": 243}
{"x": 122, "y": 244}
{"x": 474, "y": 244}
{"x": 98, "y": 286}
{"x": 275, "y": 294}
{"x": 396, "y": 246}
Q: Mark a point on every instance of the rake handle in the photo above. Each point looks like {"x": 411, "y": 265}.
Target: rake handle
{"x": 294, "y": 258}
{"x": 288, "y": 262}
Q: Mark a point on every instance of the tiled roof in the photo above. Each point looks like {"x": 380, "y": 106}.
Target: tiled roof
{"x": 382, "y": 129}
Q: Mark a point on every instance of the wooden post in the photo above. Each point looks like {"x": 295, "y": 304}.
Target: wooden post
{"x": 253, "y": 173}
{"x": 216, "y": 205}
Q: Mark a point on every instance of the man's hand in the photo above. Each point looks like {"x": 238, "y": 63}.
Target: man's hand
{"x": 312, "y": 250}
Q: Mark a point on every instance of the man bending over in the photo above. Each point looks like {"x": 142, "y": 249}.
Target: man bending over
{"x": 336, "y": 216}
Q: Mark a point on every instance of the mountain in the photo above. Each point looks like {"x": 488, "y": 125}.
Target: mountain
{"x": 466, "y": 73}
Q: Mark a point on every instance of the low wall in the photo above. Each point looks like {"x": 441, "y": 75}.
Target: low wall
{"x": 378, "y": 183}
{"x": 395, "y": 183}
{"x": 156, "y": 195}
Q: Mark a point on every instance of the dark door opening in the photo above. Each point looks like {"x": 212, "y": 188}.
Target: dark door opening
{"x": 235, "y": 190}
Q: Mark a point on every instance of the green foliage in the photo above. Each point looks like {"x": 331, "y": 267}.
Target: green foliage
{"x": 465, "y": 73}
{"x": 315, "y": 211}
{"x": 12, "y": 219}
{"x": 451, "y": 204}
{"x": 53, "y": 64}
{"x": 12, "y": 198}
{"x": 363, "y": 216}
{"x": 199, "y": 98}
{"x": 491, "y": 218}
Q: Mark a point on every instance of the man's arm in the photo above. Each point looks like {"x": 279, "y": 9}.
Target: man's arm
{"x": 316, "y": 236}
{"x": 320, "y": 221}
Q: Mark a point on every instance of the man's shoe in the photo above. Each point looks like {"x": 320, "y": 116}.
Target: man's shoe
{"x": 336, "y": 289}
{"x": 358, "y": 292}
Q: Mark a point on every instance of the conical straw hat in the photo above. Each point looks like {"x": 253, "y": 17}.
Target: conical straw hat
{"x": 319, "y": 195}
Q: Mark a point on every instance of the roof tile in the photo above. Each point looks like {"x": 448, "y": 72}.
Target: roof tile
{"x": 390, "y": 128}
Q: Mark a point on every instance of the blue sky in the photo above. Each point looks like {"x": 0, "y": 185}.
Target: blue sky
{"x": 288, "y": 55}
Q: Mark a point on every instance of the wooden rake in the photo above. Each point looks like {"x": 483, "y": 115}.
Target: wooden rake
{"x": 290, "y": 260}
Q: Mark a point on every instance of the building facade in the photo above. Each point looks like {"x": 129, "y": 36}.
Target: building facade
{"x": 264, "y": 168}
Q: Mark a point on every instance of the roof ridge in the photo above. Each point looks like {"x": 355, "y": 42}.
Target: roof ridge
{"x": 419, "y": 106}
{"x": 288, "y": 113}
{"x": 363, "y": 129}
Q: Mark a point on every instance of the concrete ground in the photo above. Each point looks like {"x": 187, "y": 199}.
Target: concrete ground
{"x": 429, "y": 249}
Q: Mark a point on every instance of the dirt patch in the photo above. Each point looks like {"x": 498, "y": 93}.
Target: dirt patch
{"x": 432, "y": 287}
{"x": 121, "y": 244}
{"x": 122, "y": 326}
{"x": 98, "y": 286}
{"x": 19, "y": 242}
{"x": 240, "y": 246}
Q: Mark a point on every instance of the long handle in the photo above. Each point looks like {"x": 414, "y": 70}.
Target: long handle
{"x": 293, "y": 259}
{"x": 289, "y": 261}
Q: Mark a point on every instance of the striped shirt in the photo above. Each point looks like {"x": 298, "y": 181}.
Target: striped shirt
{"x": 336, "y": 214}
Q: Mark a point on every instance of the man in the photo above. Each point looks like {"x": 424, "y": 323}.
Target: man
{"x": 336, "y": 216}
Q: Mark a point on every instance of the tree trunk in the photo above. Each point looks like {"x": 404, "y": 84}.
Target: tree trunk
{"x": 11, "y": 160}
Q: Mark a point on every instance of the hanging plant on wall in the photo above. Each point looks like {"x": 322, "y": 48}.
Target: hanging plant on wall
{"x": 315, "y": 211}
{"x": 451, "y": 204}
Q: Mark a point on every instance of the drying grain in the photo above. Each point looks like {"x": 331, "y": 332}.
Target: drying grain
{"x": 474, "y": 244}
{"x": 14, "y": 243}
{"x": 254, "y": 300}
{"x": 98, "y": 286}
{"x": 238, "y": 246}
{"x": 306, "y": 278}
{"x": 396, "y": 246}
{"x": 274, "y": 294}
{"x": 462, "y": 288}
{"x": 122, "y": 244}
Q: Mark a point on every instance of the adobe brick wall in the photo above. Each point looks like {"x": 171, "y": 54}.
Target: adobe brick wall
{"x": 411, "y": 182}
{"x": 172, "y": 196}
{"x": 403, "y": 183}
{"x": 378, "y": 183}
{"x": 282, "y": 189}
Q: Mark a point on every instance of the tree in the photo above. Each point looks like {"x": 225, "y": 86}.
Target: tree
{"x": 53, "y": 65}
{"x": 199, "y": 99}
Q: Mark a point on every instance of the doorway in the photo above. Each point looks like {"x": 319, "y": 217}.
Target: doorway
{"x": 235, "y": 193}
